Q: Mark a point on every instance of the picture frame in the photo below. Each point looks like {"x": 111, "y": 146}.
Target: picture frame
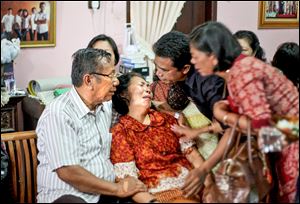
{"x": 278, "y": 14}
{"x": 34, "y": 27}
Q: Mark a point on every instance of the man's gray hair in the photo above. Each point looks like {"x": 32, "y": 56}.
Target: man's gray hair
{"x": 86, "y": 61}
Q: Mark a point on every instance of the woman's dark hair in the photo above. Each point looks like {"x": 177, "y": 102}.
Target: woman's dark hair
{"x": 174, "y": 45}
{"x": 120, "y": 103}
{"x": 177, "y": 98}
{"x": 215, "y": 38}
{"x": 112, "y": 43}
{"x": 25, "y": 10}
{"x": 253, "y": 41}
{"x": 286, "y": 58}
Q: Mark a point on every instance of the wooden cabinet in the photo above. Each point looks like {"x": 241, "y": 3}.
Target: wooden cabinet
{"x": 11, "y": 115}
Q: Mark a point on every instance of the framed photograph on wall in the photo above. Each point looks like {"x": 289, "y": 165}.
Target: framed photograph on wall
{"x": 278, "y": 14}
{"x": 31, "y": 21}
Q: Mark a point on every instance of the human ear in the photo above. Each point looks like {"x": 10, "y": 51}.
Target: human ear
{"x": 214, "y": 60}
{"x": 186, "y": 68}
{"x": 87, "y": 80}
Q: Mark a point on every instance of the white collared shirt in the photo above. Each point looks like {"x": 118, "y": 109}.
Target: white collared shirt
{"x": 42, "y": 28}
{"x": 8, "y": 21}
{"x": 70, "y": 134}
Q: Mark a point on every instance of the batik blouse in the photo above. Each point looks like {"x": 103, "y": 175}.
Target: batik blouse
{"x": 259, "y": 90}
{"x": 152, "y": 153}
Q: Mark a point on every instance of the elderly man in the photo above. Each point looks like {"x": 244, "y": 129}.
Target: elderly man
{"x": 74, "y": 139}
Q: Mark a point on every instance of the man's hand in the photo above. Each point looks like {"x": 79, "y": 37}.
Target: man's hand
{"x": 130, "y": 186}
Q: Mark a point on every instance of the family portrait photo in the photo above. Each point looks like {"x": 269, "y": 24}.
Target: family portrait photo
{"x": 33, "y": 22}
{"x": 278, "y": 14}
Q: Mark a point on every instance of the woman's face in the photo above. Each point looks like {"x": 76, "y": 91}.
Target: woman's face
{"x": 139, "y": 93}
{"x": 246, "y": 48}
{"x": 104, "y": 45}
{"x": 204, "y": 63}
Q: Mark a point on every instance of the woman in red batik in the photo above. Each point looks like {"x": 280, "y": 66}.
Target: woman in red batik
{"x": 256, "y": 90}
{"x": 144, "y": 146}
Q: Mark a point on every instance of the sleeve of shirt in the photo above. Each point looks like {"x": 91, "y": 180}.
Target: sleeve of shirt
{"x": 252, "y": 100}
{"x": 185, "y": 145}
{"x": 120, "y": 151}
{"x": 213, "y": 89}
{"x": 3, "y": 19}
{"x": 125, "y": 169}
{"x": 62, "y": 145}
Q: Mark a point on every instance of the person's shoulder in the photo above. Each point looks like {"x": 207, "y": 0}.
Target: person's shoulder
{"x": 161, "y": 115}
{"x": 117, "y": 129}
{"x": 213, "y": 79}
{"x": 251, "y": 63}
{"x": 60, "y": 103}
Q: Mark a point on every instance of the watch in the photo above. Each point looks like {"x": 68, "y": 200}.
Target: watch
{"x": 177, "y": 115}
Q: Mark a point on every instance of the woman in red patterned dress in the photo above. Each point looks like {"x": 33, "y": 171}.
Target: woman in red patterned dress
{"x": 144, "y": 146}
{"x": 256, "y": 90}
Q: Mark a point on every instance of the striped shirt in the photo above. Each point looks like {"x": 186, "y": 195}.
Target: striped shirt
{"x": 70, "y": 134}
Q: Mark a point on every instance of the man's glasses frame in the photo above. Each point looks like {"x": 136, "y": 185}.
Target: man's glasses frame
{"x": 111, "y": 76}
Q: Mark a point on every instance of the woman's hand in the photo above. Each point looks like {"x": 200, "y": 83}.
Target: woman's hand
{"x": 194, "y": 182}
{"x": 129, "y": 186}
{"x": 189, "y": 133}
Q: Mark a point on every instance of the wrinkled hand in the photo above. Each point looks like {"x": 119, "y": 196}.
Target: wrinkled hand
{"x": 194, "y": 182}
{"x": 189, "y": 133}
{"x": 130, "y": 186}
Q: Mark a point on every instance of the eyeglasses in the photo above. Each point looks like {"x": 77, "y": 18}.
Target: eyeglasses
{"x": 111, "y": 76}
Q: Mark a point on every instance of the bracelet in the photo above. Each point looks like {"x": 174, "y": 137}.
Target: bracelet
{"x": 177, "y": 115}
{"x": 225, "y": 119}
{"x": 153, "y": 200}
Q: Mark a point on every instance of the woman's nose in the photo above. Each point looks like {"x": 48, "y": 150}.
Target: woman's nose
{"x": 116, "y": 81}
{"x": 148, "y": 90}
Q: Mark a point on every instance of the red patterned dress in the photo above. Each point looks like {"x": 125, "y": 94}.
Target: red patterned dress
{"x": 160, "y": 90}
{"x": 152, "y": 153}
{"x": 259, "y": 90}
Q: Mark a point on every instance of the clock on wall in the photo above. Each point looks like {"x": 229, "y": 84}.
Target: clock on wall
{"x": 94, "y": 4}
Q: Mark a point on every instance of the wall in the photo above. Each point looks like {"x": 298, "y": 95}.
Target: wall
{"x": 243, "y": 15}
{"x": 75, "y": 26}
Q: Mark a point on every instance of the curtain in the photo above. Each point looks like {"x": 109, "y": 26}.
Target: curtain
{"x": 151, "y": 20}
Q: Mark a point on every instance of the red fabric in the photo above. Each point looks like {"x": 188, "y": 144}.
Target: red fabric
{"x": 256, "y": 124}
{"x": 160, "y": 90}
{"x": 154, "y": 148}
{"x": 232, "y": 106}
{"x": 287, "y": 168}
{"x": 260, "y": 90}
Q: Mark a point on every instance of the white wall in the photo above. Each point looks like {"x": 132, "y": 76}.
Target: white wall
{"x": 76, "y": 25}
{"x": 243, "y": 15}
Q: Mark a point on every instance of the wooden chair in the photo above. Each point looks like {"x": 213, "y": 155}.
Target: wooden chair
{"x": 22, "y": 151}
